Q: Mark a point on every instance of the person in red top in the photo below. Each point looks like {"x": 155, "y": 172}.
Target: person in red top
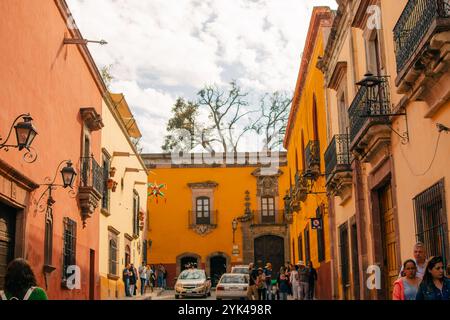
{"x": 406, "y": 287}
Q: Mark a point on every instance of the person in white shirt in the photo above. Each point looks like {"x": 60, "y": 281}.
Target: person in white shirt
{"x": 143, "y": 277}
{"x": 294, "y": 280}
{"x": 420, "y": 257}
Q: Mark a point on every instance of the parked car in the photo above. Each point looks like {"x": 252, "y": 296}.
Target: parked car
{"x": 193, "y": 282}
{"x": 232, "y": 286}
{"x": 240, "y": 269}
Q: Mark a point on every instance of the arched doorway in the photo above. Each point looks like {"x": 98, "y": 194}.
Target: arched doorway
{"x": 186, "y": 261}
{"x": 218, "y": 266}
{"x": 269, "y": 248}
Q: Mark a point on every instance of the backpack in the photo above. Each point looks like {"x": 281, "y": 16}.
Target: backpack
{"x": 26, "y": 297}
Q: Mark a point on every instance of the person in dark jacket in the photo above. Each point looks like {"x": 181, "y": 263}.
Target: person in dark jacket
{"x": 126, "y": 280}
{"x": 312, "y": 280}
{"x": 435, "y": 285}
{"x": 133, "y": 280}
{"x": 283, "y": 283}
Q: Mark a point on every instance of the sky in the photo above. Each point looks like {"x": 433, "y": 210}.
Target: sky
{"x": 160, "y": 50}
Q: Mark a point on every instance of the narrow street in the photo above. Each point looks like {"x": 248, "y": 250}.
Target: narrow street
{"x": 170, "y": 295}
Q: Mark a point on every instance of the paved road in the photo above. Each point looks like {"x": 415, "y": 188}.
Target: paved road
{"x": 170, "y": 295}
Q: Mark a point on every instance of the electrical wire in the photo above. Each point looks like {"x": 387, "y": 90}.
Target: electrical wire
{"x": 432, "y": 161}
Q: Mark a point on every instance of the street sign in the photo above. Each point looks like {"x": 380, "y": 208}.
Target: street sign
{"x": 316, "y": 223}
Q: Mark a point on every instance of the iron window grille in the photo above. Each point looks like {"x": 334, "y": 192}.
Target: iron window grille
{"x": 307, "y": 245}
{"x": 105, "y": 193}
{"x": 320, "y": 236}
{"x": 136, "y": 204}
{"x": 203, "y": 210}
{"x": 113, "y": 261}
{"x": 300, "y": 247}
{"x": 431, "y": 220}
{"x": 344, "y": 255}
{"x": 70, "y": 244}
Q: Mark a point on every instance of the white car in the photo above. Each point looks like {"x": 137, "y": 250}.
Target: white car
{"x": 193, "y": 282}
{"x": 232, "y": 286}
{"x": 240, "y": 269}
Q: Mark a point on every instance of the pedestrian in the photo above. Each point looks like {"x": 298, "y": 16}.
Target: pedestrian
{"x": 294, "y": 280}
{"x": 312, "y": 280}
{"x": 150, "y": 277}
{"x": 252, "y": 290}
{"x": 164, "y": 281}
{"x": 133, "y": 280}
{"x": 154, "y": 276}
{"x": 420, "y": 258}
{"x": 261, "y": 284}
{"x": 268, "y": 274}
{"x": 160, "y": 276}
{"x": 303, "y": 278}
{"x": 20, "y": 283}
{"x": 406, "y": 287}
{"x": 126, "y": 279}
{"x": 143, "y": 277}
{"x": 283, "y": 283}
{"x": 434, "y": 286}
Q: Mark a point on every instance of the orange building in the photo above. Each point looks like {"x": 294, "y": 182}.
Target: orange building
{"x": 193, "y": 222}
{"x": 60, "y": 87}
{"x": 305, "y": 141}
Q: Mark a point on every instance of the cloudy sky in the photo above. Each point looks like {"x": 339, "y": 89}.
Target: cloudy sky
{"x": 162, "y": 49}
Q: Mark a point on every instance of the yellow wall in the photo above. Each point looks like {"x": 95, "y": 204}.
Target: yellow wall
{"x": 121, "y": 204}
{"x": 314, "y": 86}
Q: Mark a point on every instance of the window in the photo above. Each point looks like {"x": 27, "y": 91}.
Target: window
{"x": 268, "y": 209}
{"x": 48, "y": 242}
{"x": 300, "y": 247}
{"x": 431, "y": 221}
{"x": 344, "y": 255}
{"x": 355, "y": 262}
{"x": 307, "y": 246}
{"x": 321, "y": 235}
{"x": 136, "y": 205}
{"x": 203, "y": 210}
{"x": 70, "y": 244}
{"x": 374, "y": 63}
{"x": 342, "y": 114}
{"x": 315, "y": 120}
{"x": 106, "y": 193}
{"x": 144, "y": 253}
{"x": 113, "y": 261}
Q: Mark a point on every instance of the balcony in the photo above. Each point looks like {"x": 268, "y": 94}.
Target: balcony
{"x": 300, "y": 192}
{"x": 369, "y": 116}
{"x": 338, "y": 169}
{"x": 312, "y": 156}
{"x": 90, "y": 188}
{"x": 201, "y": 224}
{"x": 421, "y": 41}
{"x": 269, "y": 218}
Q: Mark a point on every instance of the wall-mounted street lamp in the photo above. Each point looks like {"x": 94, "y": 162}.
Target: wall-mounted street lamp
{"x": 25, "y": 134}
{"x": 68, "y": 175}
{"x": 234, "y": 226}
{"x": 83, "y": 41}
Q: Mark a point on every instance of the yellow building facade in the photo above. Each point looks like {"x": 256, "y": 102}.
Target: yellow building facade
{"x": 123, "y": 213}
{"x": 306, "y": 142}
{"x": 193, "y": 221}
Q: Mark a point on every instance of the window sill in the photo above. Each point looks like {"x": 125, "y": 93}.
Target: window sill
{"x": 105, "y": 212}
{"x": 113, "y": 277}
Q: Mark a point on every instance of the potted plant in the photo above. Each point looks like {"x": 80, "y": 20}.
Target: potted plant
{"x": 112, "y": 172}
{"x": 114, "y": 187}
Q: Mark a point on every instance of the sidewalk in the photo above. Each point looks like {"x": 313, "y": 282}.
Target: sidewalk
{"x": 147, "y": 296}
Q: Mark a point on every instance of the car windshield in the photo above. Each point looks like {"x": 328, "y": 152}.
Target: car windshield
{"x": 192, "y": 275}
{"x": 234, "y": 279}
{"x": 240, "y": 270}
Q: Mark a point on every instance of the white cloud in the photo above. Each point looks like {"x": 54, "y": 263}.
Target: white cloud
{"x": 165, "y": 48}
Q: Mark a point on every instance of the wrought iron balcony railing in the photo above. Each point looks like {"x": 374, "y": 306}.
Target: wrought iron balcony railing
{"x": 371, "y": 105}
{"x": 269, "y": 217}
{"x": 337, "y": 156}
{"x": 199, "y": 218}
{"x": 91, "y": 174}
{"x": 415, "y": 23}
{"x": 312, "y": 155}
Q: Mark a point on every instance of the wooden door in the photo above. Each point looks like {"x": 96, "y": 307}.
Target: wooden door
{"x": 388, "y": 234}
{"x": 7, "y": 236}
{"x": 270, "y": 249}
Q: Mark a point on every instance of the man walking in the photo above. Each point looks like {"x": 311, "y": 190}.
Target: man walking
{"x": 252, "y": 289}
{"x": 420, "y": 257}
{"x": 143, "y": 277}
{"x": 133, "y": 280}
{"x": 126, "y": 279}
{"x": 303, "y": 277}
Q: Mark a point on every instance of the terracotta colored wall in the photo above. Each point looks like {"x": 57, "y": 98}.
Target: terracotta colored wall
{"x": 41, "y": 76}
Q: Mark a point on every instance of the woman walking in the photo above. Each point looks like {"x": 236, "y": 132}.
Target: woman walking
{"x": 406, "y": 287}
{"x": 435, "y": 285}
{"x": 261, "y": 284}
{"x": 294, "y": 280}
{"x": 20, "y": 283}
{"x": 283, "y": 283}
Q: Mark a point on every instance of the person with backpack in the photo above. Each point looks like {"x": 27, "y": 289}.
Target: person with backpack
{"x": 20, "y": 283}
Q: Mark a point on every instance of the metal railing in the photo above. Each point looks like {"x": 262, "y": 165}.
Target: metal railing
{"x": 413, "y": 24}
{"x": 269, "y": 217}
{"x": 371, "y": 104}
{"x": 195, "y": 219}
{"x": 91, "y": 174}
{"x": 337, "y": 155}
{"x": 312, "y": 154}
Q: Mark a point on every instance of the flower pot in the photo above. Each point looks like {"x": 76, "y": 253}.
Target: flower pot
{"x": 114, "y": 187}
{"x": 112, "y": 172}
{"x": 110, "y": 183}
